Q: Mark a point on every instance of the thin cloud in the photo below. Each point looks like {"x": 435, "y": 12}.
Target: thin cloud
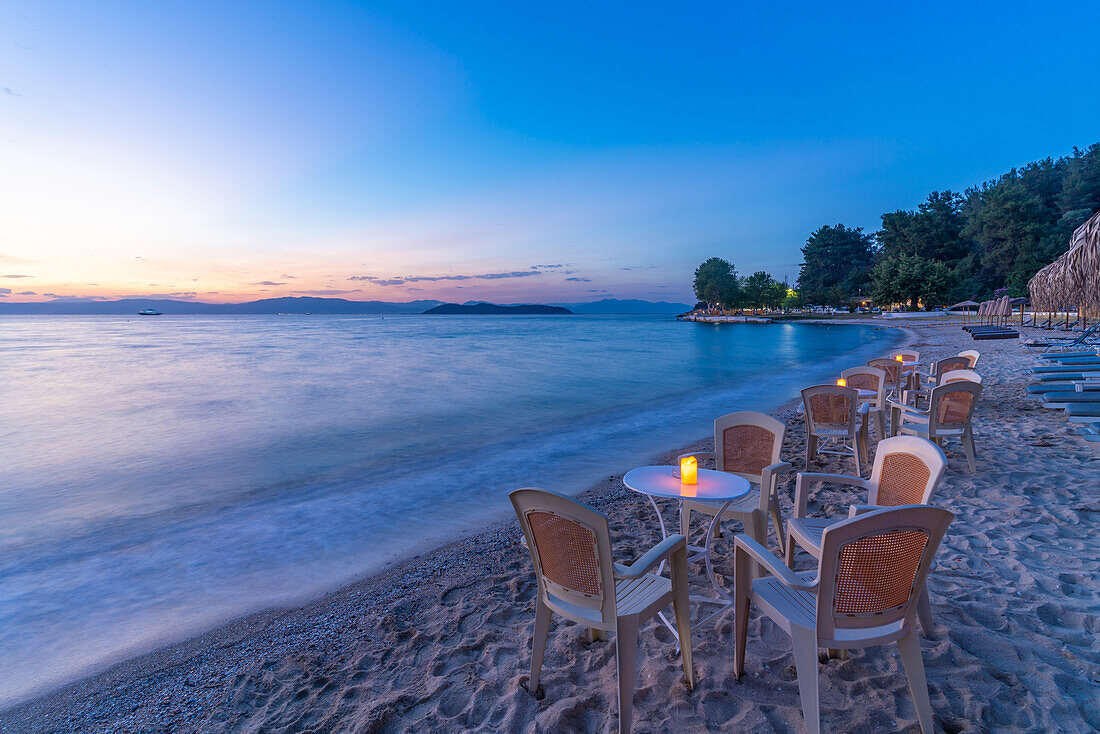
{"x": 5, "y": 292}
{"x": 15, "y": 276}
{"x": 326, "y": 292}
{"x": 267, "y": 282}
{"x": 8, "y": 91}
{"x": 26, "y": 293}
{"x": 580, "y": 280}
{"x": 403, "y": 279}
{"x": 638, "y": 267}
{"x": 289, "y": 277}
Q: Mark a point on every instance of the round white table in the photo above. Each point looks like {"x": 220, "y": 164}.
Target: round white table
{"x": 718, "y": 486}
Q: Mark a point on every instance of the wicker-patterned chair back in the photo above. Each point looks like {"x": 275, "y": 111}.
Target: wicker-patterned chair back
{"x": 907, "y": 471}
{"x": 909, "y": 355}
{"x": 950, "y": 363}
{"x": 570, "y": 547}
{"x": 951, "y": 408}
{"x": 567, "y": 553}
{"x": 746, "y": 442}
{"x": 891, "y": 367}
{"x": 972, "y": 355}
{"x": 868, "y": 378}
{"x": 960, "y": 375}
{"x": 830, "y": 410}
{"x": 873, "y": 567}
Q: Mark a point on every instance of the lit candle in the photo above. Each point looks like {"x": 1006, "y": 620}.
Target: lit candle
{"x": 899, "y": 358}
{"x": 689, "y": 469}
{"x": 842, "y": 382}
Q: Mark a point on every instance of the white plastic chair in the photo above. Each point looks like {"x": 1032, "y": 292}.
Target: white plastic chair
{"x": 863, "y": 593}
{"x": 972, "y": 355}
{"x": 871, "y": 378}
{"x": 907, "y": 471}
{"x": 747, "y": 444}
{"x": 893, "y": 371}
{"x": 570, "y": 546}
{"x": 949, "y": 415}
{"x": 832, "y": 415}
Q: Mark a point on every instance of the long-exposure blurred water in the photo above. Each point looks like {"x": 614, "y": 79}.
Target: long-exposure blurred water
{"x": 161, "y": 475}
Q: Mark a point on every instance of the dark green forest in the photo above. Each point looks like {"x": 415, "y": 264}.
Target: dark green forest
{"x": 986, "y": 241}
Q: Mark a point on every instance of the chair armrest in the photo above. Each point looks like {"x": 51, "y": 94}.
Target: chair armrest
{"x": 857, "y": 510}
{"x": 807, "y": 479}
{"x": 760, "y": 554}
{"x": 652, "y": 557}
{"x": 905, "y": 408}
{"x": 769, "y": 475}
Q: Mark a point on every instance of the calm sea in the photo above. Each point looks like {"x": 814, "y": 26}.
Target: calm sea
{"x": 160, "y": 475}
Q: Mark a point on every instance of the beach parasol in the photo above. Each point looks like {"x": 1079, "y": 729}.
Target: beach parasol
{"x": 966, "y": 305}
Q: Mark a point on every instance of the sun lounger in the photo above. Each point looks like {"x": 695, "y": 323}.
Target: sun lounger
{"x": 1083, "y": 412}
{"x": 1040, "y": 390}
{"x": 1090, "y": 432}
{"x": 1064, "y": 398}
{"x": 1057, "y": 369}
{"x": 1059, "y": 356}
{"x": 1061, "y": 377}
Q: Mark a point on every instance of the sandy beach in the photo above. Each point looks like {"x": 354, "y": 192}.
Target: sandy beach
{"x": 441, "y": 643}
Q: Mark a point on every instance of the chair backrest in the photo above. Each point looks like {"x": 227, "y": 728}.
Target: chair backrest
{"x": 891, "y": 367}
{"x": 746, "y": 442}
{"x": 947, "y": 364}
{"x": 950, "y": 408}
{"x": 873, "y": 567}
{"x": 868, "y": 378}
{"x": 909, "y": 355}
{"x": 959, "y": 375}
{"x": 571, "y": 548}
{"x": 907, "y": 471}
{"x": 972, "y": 355}
{"x": 830, "y": 410}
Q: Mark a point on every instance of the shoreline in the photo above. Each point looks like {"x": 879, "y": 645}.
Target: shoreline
{"x": 393, "y": 573}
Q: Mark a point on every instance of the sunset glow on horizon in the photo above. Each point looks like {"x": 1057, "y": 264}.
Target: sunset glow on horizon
{"x": 232, "y": 152}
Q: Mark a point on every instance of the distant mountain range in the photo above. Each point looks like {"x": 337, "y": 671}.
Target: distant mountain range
{"x": 303, "y": 304}
{"x": 487, "y": 309}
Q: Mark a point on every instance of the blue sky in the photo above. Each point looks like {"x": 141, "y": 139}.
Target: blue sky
{"x": 402, "y": 150}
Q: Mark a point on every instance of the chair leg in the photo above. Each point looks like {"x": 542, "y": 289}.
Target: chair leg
{"x": 538, "y": 645}
{"x": 924, "y": 612}
{"x": 913, "y": 663}
{"x": 595, "y": 635}
{"x": 805, "y": 664}
{"x": 788, "y": 552}
{"x": 968, "y": 447}
{"x": 811, "y": 450}
{"x": 777, "y": 518}
{"x": 880, "y": 424}
{"x": 626, "y": 653}
{"x": 681, "y": 606}
{"x": 756, "y": 527}
{"x": 742, "y": 583}
{"x": 685, "y": 521}
{"x": 855, "y": 455}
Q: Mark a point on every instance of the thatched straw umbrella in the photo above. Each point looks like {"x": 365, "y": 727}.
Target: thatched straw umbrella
{"x": 1073, "y": 280}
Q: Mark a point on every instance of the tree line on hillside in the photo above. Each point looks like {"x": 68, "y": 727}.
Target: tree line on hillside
{"x": 984, "y": 242}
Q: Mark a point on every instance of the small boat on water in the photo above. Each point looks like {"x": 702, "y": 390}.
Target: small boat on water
{"x": 149, "y": 312}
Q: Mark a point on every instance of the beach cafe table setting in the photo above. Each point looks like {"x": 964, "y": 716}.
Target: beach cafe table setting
{"x": 688, "y": 481}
